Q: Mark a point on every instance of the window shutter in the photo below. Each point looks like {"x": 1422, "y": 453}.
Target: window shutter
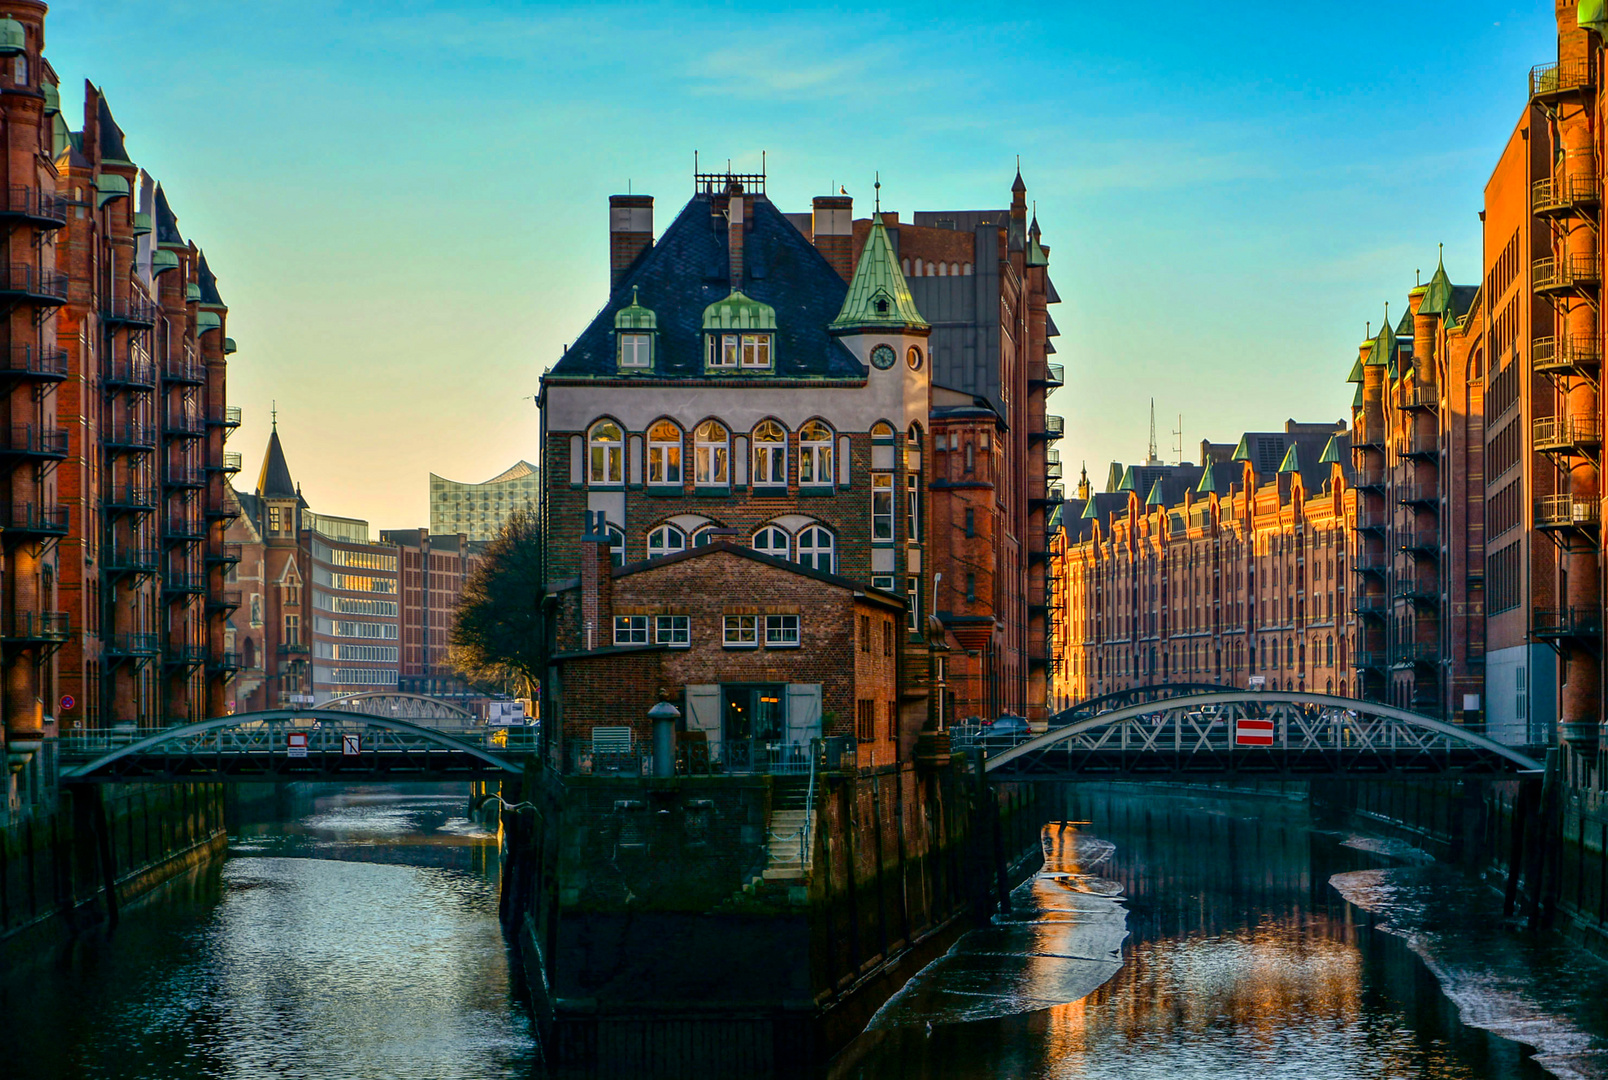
{"x": 803, "y": 712}
{"x": 703, "y": 712}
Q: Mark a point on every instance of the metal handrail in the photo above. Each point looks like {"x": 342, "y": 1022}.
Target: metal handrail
{"x": 1578, "y": 350}
{"x": 36, "y": 518}
{"x": 1566, "y": 622}
{"x": 1557, "y": 510}
{"x": 38, "y": 439}
{"x": 1562, "y": 432}
{"x": 38, "y": 626}
{"x": 1559, "y": 77}
{"x": 24, "y": 201}
{"x": 36, "y": 360}
{"x": 1567, "y": 272}
{"x": 33, "y": 281}
{"x": 1563, "y": 192}
{"x": 131, "y": 309}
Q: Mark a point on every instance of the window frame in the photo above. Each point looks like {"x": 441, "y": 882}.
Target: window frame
{"x": 674, "y": 631}
{"x": 710, "y": 453}
{"x": 667, "y": 528}
{"x": 776, "y": 627}
{"x": 638, "y": 346}
{"x": 882, "y": 488}
{"x": 599, "y": 449}
{"x": 634, "y": 627}
{"x": 776, "y": 530}
{"x": 815, "y": 454}
{"x": 660, "y": 452}
{"x": 772, "y": 451}
{"x": 746, "y": 628}
{"x": 754, "y": 353}
{"x": 817, "y": 551}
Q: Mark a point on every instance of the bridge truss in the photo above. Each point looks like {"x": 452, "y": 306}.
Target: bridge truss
{"x": 432, "y": 712}
{"x": 293, "y": 744}
{"x": 1269, "y": 734}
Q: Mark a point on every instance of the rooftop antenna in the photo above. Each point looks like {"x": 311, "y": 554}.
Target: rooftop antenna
{"x": 1152, "y": 455}
{"x": 1416, "y": 273}
{"x": 274, "y": 414}
{"x": 1179, "y": 436}
{"x": 878, "y": 186}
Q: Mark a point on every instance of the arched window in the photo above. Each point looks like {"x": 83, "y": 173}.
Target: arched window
{"x": 711, "y": 453}
{"x": 664, "y": 453}
{"x": 704, "y": 534}
{"x": 772, "y": 540}
{"x": 815, "y": 454}
{"x": 1289, "y": 651}
{"x": 817, "y": 549}
{"x": 770, "y": 455}
{"x": 943, "y": 269}
{"x": 666, "y": 540}
{"x": 1330, "y": 651}
{"x": 608, "y": 449}
{"x": 616, "y": 545}
{"x": 905, "y": 265}
{"x": 882, "y": 430}
{"x": 966, "y": 269}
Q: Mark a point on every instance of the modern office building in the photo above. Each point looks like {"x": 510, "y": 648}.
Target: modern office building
{"x": 479, "y": 510}
{"x": 433, "y": 571}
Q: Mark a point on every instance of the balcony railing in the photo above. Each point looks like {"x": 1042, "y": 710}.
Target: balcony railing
{"x": 294, "y": 648}
{"x": 185, "y": 426}
{"x": 1053, "y": 428}
{"x": 28, "y": 626}
{"x": 1570, "y": 355}
{"x": 1368, "y": 478}
{"x": 1568, "y": 273}
{"x": 35, "y": 519}
{"x": 130, "y": 560}
{"x": 1564, "y": 194}
{"x": 223, "y": 662}
{"x": 227, "y": 600}
{"x": 132, "y": 497}
{"x": 133, "y": 645}
{"x": 31, "y": 204}
{"x": 1569, "y": 622}
{"x": 34, "y": 361}
{"x": 182, "y": 582}
{"x": 1567, "y": 512}
{"x": 184, "y": 656}
{"x": 177, "y": 370}
{"x": 184, "y": 528}
{"x": 1415, "y": 652}
{"x": 1369, "y": 658}
{"x": 1420, "y": 444}
{"x": 125, "y": 371}
{"x": 132, "y": 311}
{"x": 1420, "y": 397}
{"x": 20, "y": 279}
{"x": 1369, "y": 605}
{"x": 129, "y": 437}
{"x": 223, "y": 554}
{"x": 1416, "y": 591}
{"x": 1372, "y": 518}
{"x": 229, "y": 463}
{"x": 1408, "y": 494}
{"x": 1419, "y": 541}
{"x": 183, "y": 476}
{"x": 1371, "y": 562}
{"x": 228, "y": 416}
{"x": 1566, "y": 434}
{"x": 221, "y": 508}
{"x": 1050, "y": 375}
{"x": 1559, "y": 77}
{"x": 37, "y": 440}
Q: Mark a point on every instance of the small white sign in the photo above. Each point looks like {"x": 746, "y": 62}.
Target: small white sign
{"x": 296, "y": 744}
{"x": 350, "y": 746}
{"x": 1471, "y": 703}
{"x": 1257, "y": 682}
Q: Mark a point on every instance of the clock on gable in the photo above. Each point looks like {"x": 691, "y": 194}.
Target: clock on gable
{"x": 882, "y": 357}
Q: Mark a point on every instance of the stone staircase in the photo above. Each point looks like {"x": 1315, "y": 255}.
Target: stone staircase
{"x": 788, "y": 820}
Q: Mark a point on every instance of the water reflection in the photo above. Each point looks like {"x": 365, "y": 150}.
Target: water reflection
{"x": 1237, "y": 959}
{"x": 365, "y": 945}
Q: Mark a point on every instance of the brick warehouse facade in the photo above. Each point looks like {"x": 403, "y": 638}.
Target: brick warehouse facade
{"x": 112, "y": 589}
{"x": 772, "y": 405}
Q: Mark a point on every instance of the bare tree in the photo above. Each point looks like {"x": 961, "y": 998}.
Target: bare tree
{"x": 499, "y": 635}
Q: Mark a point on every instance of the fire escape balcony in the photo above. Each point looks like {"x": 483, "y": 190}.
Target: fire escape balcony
{"x": 1370, "y": 605}
{"x": 129, "y": 438}
{"x": 1558, "y": 512}
{"x": 184, "y": 427}
{"x": 1424, "y": 543}
{"x": 26, "y": 205}
{"x": 37, "y": 441}
{"x": 183, "y": 529}
{"x": 118, "y": 561}
{"x": 19, "y": 281}
{"x": 1053, "y": 495}
{"x": 132, "y": 646}
{"x": 1418, "y": 494}
{"x": 1564, "y": 195}
{"x": 129, "y": 499}
{"x": 1570, "y": 273}
{"x": 1419, "y": 445}
{"x": 36, "y": 627}
{"x": 1549, "y": 82}
{"x": 1574, "y": 436}
{"x": 230, "y": 463}
{"x": 1421, "y": 397}
{"x": 294, "y": 648}
{"x": 226, "y": 554}
{"x": 220, "y": 508}
{"x": 1566, "y": 623}
{"x": 183, "y": 583}
{"x": 1408, "y": 653}
{"x": 33, "y": 521}
{"x": 223, "y": 663}
{"x": 1047, "y": 375}
{"x": 1420, "y": 593}
{"x": 133, "y": 311}
{"x": 1370, "y": 659}
{"x": 226, "y": 417}
{"x": 1576, "y": 355}
{"x": 226, "y": 601}
{"x": 1372, "y": 562}
{"x": 1053, "y": 427}
{"x": 1371, "y": 518}
{"x": 178, "y": 371}
{"x": 35, "y": 362}
{"x": 1368, "y": 479}
{"x": 183, "y": 476}
{"x": 130, "y": 374}
{"x": 183, "y": 657}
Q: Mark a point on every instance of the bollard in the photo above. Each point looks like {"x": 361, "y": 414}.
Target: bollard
{"x": 664, "y": 716}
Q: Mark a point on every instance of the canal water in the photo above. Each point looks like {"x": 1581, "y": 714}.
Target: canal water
{"x": 1168, "y": 936}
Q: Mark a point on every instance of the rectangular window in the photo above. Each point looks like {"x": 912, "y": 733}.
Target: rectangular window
{"x": 971, "y": 588}
{"x": 882, "y": 506}
{"x": 728, "y": 351}
{"x": 865, "y": 720}
{"x": 883, "y": 582}
{"x": 781, "y": 630}
{"x": 865, "y": 633}
{"x": 630, "y": 629}
{"x": 913, "y": 595}
{"x": 913, "y": 506}
{"x": 292, "y": 629}
{"x": 887, "y": 637}
{"x": 273, "y": 519}
{"x": 756, "y": 350}
{"x": 635, "y": 350}
{"x": 741, "y": 631}
{"x": 893, "y": 718}
{"x": 664, "y": 463}
{"x": 971, "y": 522}
{"x": 672, "y": 630}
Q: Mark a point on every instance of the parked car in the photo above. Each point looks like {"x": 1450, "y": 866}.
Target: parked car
{"x": 1007, "y": 726}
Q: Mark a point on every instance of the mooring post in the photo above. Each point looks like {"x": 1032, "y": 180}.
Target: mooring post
{"x": 1001, "y": 874}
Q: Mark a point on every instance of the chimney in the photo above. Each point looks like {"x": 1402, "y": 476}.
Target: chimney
{"x": 734, "y": 231}
{"x": 630, "y": 233}
{"x": 833, "y": 227}
{"x": 597, "y": 584}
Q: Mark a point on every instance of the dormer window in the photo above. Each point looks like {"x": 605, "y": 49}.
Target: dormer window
{"x": 756, "y": 351}
{"x": 634, "y": 329}
{"x": 740, "y": 334}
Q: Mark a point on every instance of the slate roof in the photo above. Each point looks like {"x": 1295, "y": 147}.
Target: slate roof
{"x": 167, "y": 225}
{"x": 274, "y": 481}
{"x": 111, "y": 136}
{"x": 688, "y": 269}
{"x": 208, "y": 283}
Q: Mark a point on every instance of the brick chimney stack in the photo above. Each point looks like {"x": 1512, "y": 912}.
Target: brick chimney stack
{"x": 734, "y": 231}
{"x": 832, "y": 227}
{"x": 630, "y": 233}
{"x": 597, "y": 583}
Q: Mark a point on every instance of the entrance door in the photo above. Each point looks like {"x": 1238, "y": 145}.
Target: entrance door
{"x": 753, "y": 726}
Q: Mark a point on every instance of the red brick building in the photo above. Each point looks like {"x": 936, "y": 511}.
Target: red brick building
{"x": 433, "y": 571}
{"x": 115, "y": 478}
{"x": 761, "y": 655}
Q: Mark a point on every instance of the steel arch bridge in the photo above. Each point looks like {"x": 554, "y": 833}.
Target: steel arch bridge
{"x": 400, "y": 706}
{"x": 292, "y": 744}
{"x": 1253, "y": 734}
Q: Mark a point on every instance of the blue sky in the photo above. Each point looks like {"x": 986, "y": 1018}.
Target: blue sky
{"x": 406, "y": 203}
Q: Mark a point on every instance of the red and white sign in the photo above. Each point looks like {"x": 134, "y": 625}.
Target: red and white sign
{"x": 296, "y": 744}
{"x": 1250, "y": 731}
{"x": 350, "y": 746}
